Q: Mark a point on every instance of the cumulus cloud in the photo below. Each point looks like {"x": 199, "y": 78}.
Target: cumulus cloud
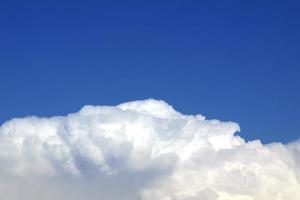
{"x": 141, "y": 150}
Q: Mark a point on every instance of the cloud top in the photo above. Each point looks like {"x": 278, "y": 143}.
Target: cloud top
{"x": 142, "y": 150}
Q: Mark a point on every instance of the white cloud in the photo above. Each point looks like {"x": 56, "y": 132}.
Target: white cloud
{"x": 141, "y": 150}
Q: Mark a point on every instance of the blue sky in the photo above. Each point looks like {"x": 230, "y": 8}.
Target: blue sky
{"x": 235, "y": 61}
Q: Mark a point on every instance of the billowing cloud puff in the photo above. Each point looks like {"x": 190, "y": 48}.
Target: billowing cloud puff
{"x": 141, "y": 150}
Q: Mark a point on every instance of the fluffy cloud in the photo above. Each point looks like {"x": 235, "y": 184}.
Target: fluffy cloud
{"x": 141, "y": 150}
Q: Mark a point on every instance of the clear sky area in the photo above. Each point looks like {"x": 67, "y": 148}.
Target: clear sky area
{"x": 230, "y": 60}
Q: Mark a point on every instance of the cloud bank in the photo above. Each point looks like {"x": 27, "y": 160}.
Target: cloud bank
{"x": 141, "y": 150}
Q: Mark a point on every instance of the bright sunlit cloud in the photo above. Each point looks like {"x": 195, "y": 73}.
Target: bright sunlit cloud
{"x": 141, "y": 150}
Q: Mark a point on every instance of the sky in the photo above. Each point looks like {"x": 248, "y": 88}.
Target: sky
{"x": 231, "y": 60}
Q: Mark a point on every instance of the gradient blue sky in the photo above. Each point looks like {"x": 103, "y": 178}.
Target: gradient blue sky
{"x": 235, "y": 61}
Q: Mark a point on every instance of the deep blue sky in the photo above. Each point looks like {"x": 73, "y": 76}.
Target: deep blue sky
{"x": 237, "y": 61}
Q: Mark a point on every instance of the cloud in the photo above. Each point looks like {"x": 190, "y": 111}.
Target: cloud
{"x": 141, "y": 150}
